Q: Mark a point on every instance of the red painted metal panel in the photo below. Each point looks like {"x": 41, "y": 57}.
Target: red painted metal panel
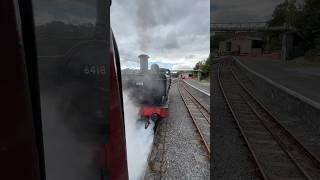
{"x": 147, "y": 111}
{"x": 115, "y": 157}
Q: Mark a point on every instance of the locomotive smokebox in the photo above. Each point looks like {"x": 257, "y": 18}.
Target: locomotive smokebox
{"x": 143, "y": 62}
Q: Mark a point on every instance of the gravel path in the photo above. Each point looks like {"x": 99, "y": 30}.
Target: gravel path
{"x": 184, "y": 155}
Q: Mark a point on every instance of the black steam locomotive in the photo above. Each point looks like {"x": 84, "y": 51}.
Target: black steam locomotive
{"x": 149, "y": 89}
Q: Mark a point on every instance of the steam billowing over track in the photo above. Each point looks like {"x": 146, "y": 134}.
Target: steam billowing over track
{"x": 145, "y": 105}
{"x": 148, "y": 89}
{"x": 139, "y": 140}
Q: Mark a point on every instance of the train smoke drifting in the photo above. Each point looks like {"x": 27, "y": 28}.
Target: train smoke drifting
{"x": 139, "y": 139}
{"x": 145, "y": 22}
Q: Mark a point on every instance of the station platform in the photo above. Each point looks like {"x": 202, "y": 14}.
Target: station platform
{"x": 201, "y": 86}
{"x": 301, "y": 79}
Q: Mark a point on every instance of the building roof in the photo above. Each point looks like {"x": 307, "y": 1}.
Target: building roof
{"x": 184, "y": 70}
{"x": 245, "y": 38}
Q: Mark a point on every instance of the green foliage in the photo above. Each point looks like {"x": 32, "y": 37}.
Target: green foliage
{"x": 311, "y": 15}
{"x": 197, "y": 66}
{"x": 279, "y": 15}
{"x": 203, "y": 66}
{"x": 306, "y": 18}
{"x": 287, "y": 14}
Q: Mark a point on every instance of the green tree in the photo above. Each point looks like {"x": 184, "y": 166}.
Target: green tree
{"x": 311, "y": 15}
{"x": 286, "y": 13}
{"x": 278, "y": 15}
{"x": 204, "y": 66}
{"x": 197, "y": 66}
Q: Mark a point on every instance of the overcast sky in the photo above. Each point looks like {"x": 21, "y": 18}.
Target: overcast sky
{"x": 243, "y": 10}
{"x": 174, "y": 33}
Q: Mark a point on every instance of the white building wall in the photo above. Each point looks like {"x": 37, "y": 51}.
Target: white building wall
{"x": 245, "y": 46}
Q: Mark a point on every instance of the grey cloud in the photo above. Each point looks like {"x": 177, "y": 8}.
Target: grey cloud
{"x": 164, "y": 29}
{"x": 145, "y": 22}
{"x": 152, "y": 14}
{"x": 172, "y": 44}
{"x": 243, "y": 11}
{"x": 191, "y": 56}
{"x": 167, "y": 42}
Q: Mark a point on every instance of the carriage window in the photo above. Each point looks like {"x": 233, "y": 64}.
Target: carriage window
{"x": 72, "y": 60}
{"x": 155, "y": 39}
{"x": 265, "y": 71}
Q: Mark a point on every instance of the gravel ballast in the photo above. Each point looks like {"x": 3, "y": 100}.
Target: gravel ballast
{"x": 231, "y": 157}
{"x": 178, "y": 152}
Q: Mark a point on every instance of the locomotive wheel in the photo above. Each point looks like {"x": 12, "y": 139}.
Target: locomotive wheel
{"x": 155, "y": 118}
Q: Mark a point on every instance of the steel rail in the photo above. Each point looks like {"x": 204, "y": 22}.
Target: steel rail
{"x": 311, "y": 154}
{"x": 196, "y": 98}
{"x": 312, "y": 157}
{"x": 280, "y": 143}
{"x": 194, "y": 122}
{"x": 200, "y": 105}
{"x": 256, "y": 160}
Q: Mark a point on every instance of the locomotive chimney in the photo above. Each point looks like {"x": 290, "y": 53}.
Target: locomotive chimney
{"x": 143, "y": 62}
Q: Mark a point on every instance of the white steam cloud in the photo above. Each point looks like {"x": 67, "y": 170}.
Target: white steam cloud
{"x": 139, "y": 140}
{"x": 70, "y": 152}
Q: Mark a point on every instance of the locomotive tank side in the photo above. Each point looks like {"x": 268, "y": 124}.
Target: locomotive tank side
{"x": 148, "y": 89}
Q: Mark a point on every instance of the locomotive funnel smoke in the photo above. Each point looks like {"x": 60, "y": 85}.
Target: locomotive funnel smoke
{"x": 70, "y": 152}
{"x": 139, "y": 140}
{"x": 145, "y": 22}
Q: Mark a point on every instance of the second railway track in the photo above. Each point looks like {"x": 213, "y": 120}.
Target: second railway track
{"x": 198, "y": 113}
{"x": 277, "y": 153}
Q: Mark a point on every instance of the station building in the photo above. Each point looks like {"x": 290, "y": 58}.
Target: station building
{"x": 241, "y": 45}
{"x": 188, "y": 74}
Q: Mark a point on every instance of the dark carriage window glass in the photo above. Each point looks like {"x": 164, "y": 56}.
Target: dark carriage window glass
{"x": 72, "y": 59}
{"x": 278, "y": 65}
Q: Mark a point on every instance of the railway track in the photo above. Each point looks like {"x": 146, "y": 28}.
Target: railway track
{"x": 277, "y": 153}
{"x": 198, "y": 113}
{"x": 202, "y": 103}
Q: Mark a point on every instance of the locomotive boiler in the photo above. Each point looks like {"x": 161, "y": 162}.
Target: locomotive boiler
{"x": 149, "y": 89}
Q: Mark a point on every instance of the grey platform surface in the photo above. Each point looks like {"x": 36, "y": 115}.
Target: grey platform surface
{"x": 203, "y": 86}
{"x": 303, "y": 80}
